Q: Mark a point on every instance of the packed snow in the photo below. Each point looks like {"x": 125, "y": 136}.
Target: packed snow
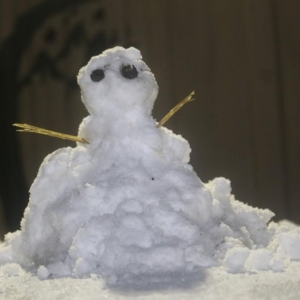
{"x": 128, "y": 208}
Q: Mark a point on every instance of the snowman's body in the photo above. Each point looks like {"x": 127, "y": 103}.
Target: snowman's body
{"x": 128, "y": 202}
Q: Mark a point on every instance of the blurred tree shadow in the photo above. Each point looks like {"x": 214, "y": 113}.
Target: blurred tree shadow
{"x": 13, "y": 188}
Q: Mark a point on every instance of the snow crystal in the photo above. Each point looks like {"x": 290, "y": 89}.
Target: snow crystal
{"x": 259, "y": 260}
{"x": 42, "y": 272}
{"x": 289, "y": 245}
{"x": 128, "y": 204}
{"x": 12, "y": 270}
{"x": 235, "y": 259}
{"x": 277, "y": 265}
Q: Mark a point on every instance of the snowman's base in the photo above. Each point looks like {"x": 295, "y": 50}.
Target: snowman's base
{"x": 216, "y": 283}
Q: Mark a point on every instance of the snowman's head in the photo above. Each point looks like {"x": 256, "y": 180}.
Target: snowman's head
{"x": 117, "y": 81}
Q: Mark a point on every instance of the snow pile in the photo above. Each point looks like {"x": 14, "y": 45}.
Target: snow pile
{"x": 128, "y": 204}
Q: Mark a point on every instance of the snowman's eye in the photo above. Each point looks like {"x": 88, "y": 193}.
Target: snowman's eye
{"x": 129, "y": 71}
{"x": 97, "y": 75}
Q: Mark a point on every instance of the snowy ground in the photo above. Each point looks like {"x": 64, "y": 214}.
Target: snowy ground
{"x": 215, "y": 284}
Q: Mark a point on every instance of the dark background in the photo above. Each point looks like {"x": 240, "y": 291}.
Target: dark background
{"x": 241, "y": 57}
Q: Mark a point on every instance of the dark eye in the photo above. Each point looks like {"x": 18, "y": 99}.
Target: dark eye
{"x": 129, "y": 71}
{"x": 97, "y": 75}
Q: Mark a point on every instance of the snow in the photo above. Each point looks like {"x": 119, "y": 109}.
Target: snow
{"x": 214, "y": 284}
{"x": 127, "y": 210}
{"x": 235, "y": 258}
{"x": 42, "y": 272}
{"x": 289, "y": 245}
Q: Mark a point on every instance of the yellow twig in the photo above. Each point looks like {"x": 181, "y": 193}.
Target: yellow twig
{"x": 38, "y": 130}
{"x": 34, "y": 129}
{"x": 173, "y": 111}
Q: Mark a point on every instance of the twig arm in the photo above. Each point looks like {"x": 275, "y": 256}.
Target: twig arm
{"x": 173, "y": 111}
{"x": 38, "y": 130}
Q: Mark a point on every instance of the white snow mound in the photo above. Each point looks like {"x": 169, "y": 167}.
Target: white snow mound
{"x": 128, "y": 203}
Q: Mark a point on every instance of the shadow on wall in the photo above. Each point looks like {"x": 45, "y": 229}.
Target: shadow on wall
{"x": 40, "y": 59}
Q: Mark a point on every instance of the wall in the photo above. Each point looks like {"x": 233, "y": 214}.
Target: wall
{"x": 241, "y": 58}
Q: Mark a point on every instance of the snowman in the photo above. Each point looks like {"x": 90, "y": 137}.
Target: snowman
{"x": 127, "y": 203}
